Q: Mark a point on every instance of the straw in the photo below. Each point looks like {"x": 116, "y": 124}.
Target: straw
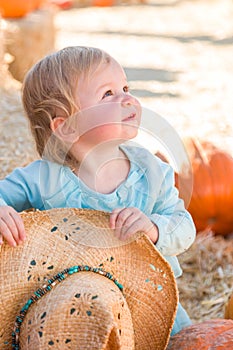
{"x": 207, "y": 279}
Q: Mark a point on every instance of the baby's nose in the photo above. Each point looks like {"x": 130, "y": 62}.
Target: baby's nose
{"x": 128, "y": 99}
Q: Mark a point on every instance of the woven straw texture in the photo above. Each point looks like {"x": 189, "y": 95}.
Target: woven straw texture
{"x": 86, "y": 311}
{"x": 61, "y": 238}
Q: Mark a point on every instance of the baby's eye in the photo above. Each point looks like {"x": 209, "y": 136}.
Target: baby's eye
{"x": 108, "y": 93}
{"x": 126, "y": 88}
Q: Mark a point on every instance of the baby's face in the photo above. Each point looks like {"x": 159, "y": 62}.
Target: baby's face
{"x": 108, "y": 110}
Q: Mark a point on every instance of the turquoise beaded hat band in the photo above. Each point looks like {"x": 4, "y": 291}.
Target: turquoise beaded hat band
{"x": 51, "y": 283}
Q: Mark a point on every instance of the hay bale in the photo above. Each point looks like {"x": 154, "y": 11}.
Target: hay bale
{"x": 207, "y": 279}
{"x": 6, "y": 79}
{"x": 2, "y": 63}
{"x": 1, "y": 43}
{"x": 16, "y": 144}
{"x": 28, "y": 39}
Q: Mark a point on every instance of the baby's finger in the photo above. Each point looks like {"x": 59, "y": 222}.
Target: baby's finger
{"x": 20, "y": 226}
{"x": 6, "y": 233}
{"x": 121, "y": 220}
{"x": 12, "y": 226}
{"x": 113, "y": 217}
{"x": 129, "y": 222}
{"x": 131, "y": 229}
{"x": 15, "y": 225}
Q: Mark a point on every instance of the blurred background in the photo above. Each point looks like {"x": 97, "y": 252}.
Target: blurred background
{"x": 177, "y": 54}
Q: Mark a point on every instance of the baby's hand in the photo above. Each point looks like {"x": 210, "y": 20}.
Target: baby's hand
{"x": 11, "y": 226}
{"x": 126, "y": 222}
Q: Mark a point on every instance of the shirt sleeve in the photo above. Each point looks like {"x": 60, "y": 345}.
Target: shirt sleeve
{"x": 19, "y": 189}
{"x": 176, "y": 228}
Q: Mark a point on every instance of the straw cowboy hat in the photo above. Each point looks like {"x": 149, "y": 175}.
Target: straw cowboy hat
{"x": 73, "y": 285}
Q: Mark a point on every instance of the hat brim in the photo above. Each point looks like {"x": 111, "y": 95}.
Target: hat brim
{"x": 60, "y": 238}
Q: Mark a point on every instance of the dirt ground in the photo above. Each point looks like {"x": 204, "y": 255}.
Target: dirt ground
{"x": 178, "y": 57}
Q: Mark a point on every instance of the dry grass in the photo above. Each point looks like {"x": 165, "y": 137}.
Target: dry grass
{"x": 207, "y": 280}
{"x": 16, "y": 145}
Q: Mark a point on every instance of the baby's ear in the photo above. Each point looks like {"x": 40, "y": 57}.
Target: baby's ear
{"x": 63, "y": 129}
{"x": 56, "y": 122}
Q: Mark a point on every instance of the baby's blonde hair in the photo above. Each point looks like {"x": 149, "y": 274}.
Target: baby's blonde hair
{"x": 49, "y": 90}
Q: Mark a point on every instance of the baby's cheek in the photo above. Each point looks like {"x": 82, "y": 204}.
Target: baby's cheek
{"x": 106, "y": 132}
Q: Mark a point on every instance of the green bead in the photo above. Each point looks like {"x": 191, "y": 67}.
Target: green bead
{"x": 119, "y": 285}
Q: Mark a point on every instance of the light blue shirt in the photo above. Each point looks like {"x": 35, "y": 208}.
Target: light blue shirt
{"x": 149, "y": 186}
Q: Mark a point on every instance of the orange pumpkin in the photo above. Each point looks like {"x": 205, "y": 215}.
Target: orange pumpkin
{"x": 38, "y": 3}
{"x": 17, "y": 8}
{"x": 229, "y": 308}
{"x": 214, "y": 334}
{"x": 211, "y": 204}
{"x": 103, "y": 3}
{"x": 207, "y": 190}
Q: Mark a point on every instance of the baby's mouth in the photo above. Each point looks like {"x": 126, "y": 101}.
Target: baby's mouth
{"x": 132, "y": 116}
